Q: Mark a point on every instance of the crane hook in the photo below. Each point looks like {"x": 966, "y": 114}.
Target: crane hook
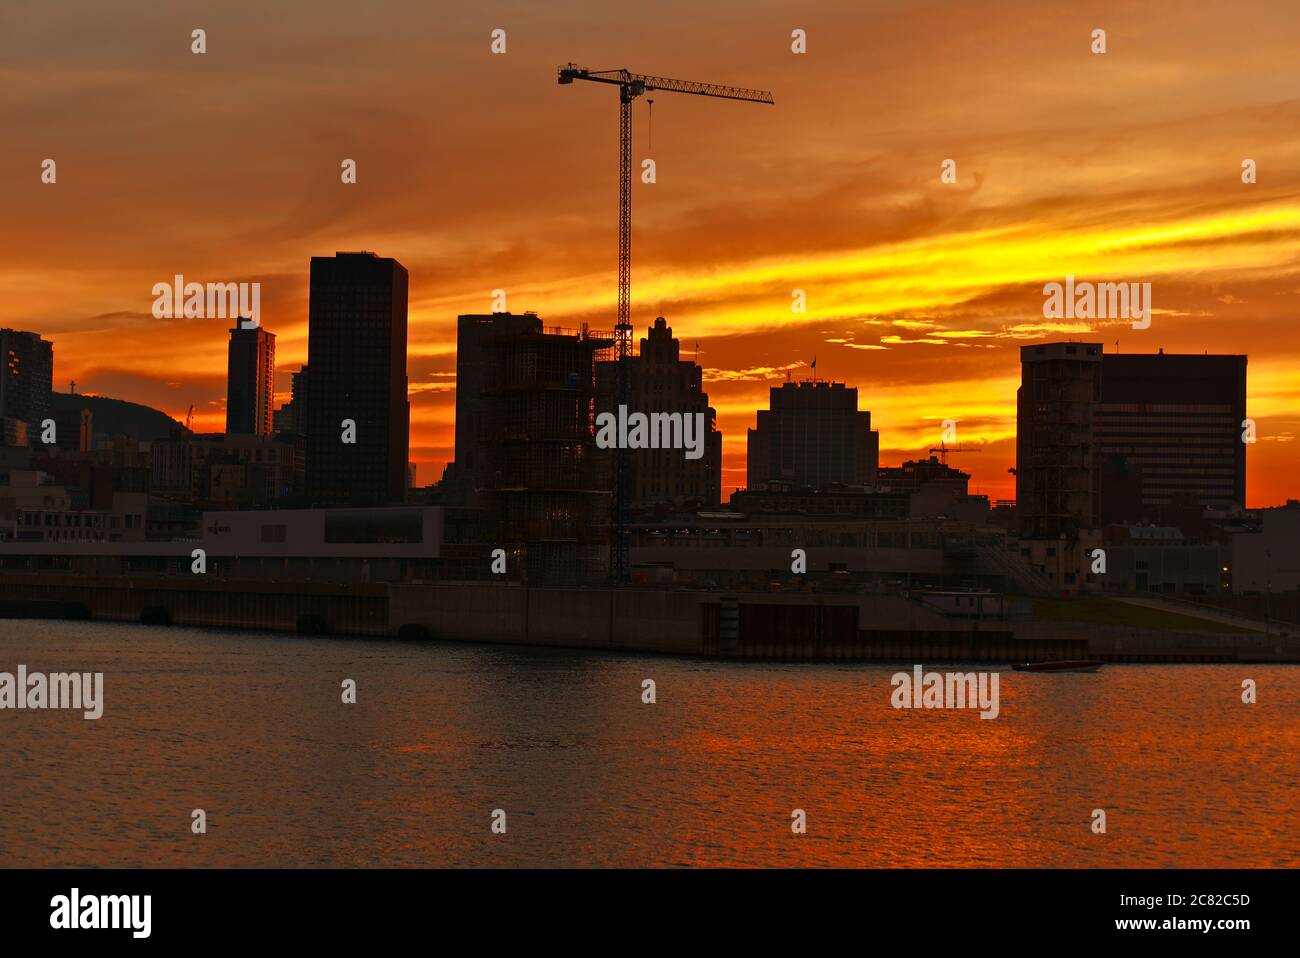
{"x": 651, "y": 124}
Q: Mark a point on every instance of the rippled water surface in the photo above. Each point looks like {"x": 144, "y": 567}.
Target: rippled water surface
{"x": 251, "y": 728}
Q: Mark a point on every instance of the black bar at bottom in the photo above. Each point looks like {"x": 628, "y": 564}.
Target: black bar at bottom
{"x": 732, "y": 908}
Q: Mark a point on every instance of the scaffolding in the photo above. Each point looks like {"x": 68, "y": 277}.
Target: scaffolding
{"x": 543, "y": 485}
{"x": 1058, "y": 472}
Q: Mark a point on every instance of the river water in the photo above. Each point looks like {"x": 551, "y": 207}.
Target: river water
{"x": 252, "y": 729}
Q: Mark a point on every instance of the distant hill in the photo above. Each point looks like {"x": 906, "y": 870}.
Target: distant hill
{"x": 117, "y": 417}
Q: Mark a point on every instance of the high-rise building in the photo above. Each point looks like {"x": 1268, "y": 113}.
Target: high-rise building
{"x": 525, "y": 445}
{"x": 250, "y": 381}
{"x": 813, "y": 435}
{"x": 26, "y": 380}
{"x": 356, "y": 349}
{"x": 660, "y": 381}
{"x": 1058, "y": 470}
{"x": 1176, "y": 422}
{"x": 476, "y": 359}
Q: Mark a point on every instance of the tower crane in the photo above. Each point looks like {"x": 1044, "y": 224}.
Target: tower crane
{"x": 943, "y": 449}
{"x": 630, "y": 86}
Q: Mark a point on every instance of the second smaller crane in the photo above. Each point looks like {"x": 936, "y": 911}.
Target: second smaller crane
{"x": 943, "y": 449}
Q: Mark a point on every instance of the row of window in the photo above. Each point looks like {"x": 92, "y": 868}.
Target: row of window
{"x": 81, "y": 520}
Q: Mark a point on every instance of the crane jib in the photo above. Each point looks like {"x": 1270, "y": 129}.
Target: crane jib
{"x": 635, "y": 84}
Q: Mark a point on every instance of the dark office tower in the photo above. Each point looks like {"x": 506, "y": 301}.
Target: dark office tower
{"x": 1176, "y": 422}
{"x": 250, "y": 381}
{"x": 356, "y": 349}
{"x": 661, "y": 381}
{"x": 1058, "y": 470}
{"x": 525, "y": 445}
{"x": 813, "y": 435}
{"x": 26, "y": 380}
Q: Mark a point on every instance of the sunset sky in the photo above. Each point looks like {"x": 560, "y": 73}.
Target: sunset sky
{"x": 478, "y": 171}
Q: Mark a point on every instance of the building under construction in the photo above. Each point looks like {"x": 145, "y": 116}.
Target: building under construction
{"x": 1058, "y": 472}
{"x": 525, "y": 445}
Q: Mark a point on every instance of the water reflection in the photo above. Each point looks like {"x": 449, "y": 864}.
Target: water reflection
{"x": 252, "y": 729}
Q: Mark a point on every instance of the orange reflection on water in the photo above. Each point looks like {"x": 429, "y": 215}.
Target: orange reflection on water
{"x": 251, "y": 728}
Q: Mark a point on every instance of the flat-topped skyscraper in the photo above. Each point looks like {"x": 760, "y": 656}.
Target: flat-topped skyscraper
{"x": 250, "y": 381}
{"x": 1177, "y": 420}
{"x": 356, "y": 348}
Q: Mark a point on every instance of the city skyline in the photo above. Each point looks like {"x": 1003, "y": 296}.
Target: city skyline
{"x": 775, "y": 390}
{"x": 920, "y": 293}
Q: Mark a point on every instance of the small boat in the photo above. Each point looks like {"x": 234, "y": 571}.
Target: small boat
{"x": 1060, "y": 665}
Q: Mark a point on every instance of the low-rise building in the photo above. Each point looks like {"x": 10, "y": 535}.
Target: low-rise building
{"x": 32, "y": 509}
{"x": 1162, "y": 559}
{"x": 381, "y": 544}
{"x": 731, "y": 550}
{"x": 1268, "y": 561}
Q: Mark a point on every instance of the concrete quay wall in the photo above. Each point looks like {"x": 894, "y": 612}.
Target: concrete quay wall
{"x": 781, "y": 626}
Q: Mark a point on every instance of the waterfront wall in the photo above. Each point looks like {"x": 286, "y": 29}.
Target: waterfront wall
{"x": 648, "y": 620}
{"x": 627, "y": 619}
{"x": 207, "y": 601}
{"x": 747, "y": 625}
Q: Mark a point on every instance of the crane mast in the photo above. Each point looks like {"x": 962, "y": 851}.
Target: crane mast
{"x": 630, "y": 86}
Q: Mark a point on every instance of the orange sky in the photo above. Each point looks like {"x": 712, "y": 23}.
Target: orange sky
{"x": 478, "y": 171}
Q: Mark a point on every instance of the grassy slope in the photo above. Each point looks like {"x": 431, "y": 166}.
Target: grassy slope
{"x": 1099, "y": 611}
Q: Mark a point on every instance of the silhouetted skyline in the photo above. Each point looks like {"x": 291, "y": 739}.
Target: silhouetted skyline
{"x": 919, "y": 293}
